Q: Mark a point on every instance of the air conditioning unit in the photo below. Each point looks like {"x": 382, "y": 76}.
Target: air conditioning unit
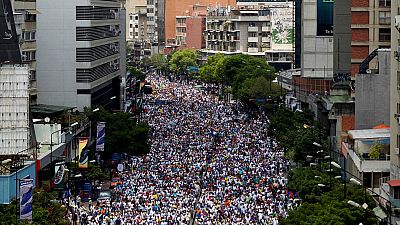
{"x": 396, "y": 151}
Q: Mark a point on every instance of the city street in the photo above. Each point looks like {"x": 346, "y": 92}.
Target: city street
{"x": 209, "y": 164}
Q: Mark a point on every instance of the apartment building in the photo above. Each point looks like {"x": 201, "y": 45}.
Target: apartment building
{"x": 80, "y": 52}
{"x": 25, "y": 22}
{"x": 133, "y": 7}
{"x": 264, "y": 30}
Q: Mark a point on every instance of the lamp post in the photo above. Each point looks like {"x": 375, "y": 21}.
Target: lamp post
{"x": 51, "y": 156}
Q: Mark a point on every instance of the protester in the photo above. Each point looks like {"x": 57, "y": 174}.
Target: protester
{"x": 208, "y": 162}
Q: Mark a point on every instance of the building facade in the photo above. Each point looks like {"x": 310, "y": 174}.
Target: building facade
{"x": 81, "y": 53}
{"x": 133, "y": 7}
{"x": 264, "y": 30}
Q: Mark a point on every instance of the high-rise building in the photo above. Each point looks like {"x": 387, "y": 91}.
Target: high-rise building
{"x": 133, "y": 7}
{"x": 25, "y": 21}
{"x": 80, "y": 52}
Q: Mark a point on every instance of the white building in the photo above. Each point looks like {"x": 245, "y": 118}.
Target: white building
{"x": 80, "y": 52}
{"x": 14, "y": 105}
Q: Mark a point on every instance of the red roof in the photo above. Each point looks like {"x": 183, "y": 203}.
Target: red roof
{"x": 394, "y": 183}
{"x": 381, "y": 126}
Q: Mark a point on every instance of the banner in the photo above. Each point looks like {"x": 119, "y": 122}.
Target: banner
{"x": 83, "y": 153}
{"x": 25, "y": 199}
{"x": 282, "y": 28}
{"x": 101, "y": 135}
{"x": 59, "y": 171}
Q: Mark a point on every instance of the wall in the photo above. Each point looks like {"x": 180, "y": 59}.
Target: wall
{"x": 342, "y": 37}
{"x": 317, "y": 51}
{"x": 372, "y": 95}
{"x": 8, "y": 184}
{"x": 194, "y": 33}
{"x": 55, "y": 38}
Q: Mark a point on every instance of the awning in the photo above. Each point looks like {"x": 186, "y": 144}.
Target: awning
{"x": 49, "y": 109}
{"x": 369, "y": 133}
{"x": 394, "y": 183}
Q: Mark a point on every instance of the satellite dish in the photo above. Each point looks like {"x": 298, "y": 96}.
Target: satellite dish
{"x": 47, "y": 119}
{"x": 368, "y": 71}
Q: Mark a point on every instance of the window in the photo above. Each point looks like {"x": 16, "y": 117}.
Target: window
{"x": 252, "y": 24}
{"x": 32, "y": 75}
{"x": 252, "y": 45}
{"x": 150, "y": 18}
{"x": 150, "y": 2}
{"x": 136, "y": 17}
{"x": 30, "y": 17}
{"x": 150, "y": 10}
{"x": 28, "y": 56}
{"x": 384, "y": 34}
{"x": 263, "y": 13}
{"x": 252, "y": 34}
{"x": 384, "y": 17}
{"x": 29, "y": 35}
{"x": 384, "y": 3}
{"x": 396, "y": 192}
{"x": 131, "y": 25}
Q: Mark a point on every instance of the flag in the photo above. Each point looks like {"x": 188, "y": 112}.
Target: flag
{"x": 101, "y": 134}
{"x": 83, "y": 153}
{"x": 25, "y": 199}
{"x": 59, "y": 171}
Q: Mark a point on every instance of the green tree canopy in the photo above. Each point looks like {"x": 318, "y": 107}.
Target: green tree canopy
{"x": 211, "y": 72}
{"x": 182, "y": 59}
{"x": 159, "y": 62}
{"x": 45, "y": 211}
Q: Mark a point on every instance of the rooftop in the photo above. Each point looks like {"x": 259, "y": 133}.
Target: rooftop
{"x": 49, "y": 109}
{"x": 333, "y": 99}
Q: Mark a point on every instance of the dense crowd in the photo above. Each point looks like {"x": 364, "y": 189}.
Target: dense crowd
{"x": 209, "y": 162}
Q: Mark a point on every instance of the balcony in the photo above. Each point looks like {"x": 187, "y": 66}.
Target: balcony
{"x": 252, "y": 29}
{"x": 369, "y": 165}
{"x": 252, "y": 50}
{"x": 266, "y": 29}
{"x": 252, "y": 39}
{"x": 266, "y": 39}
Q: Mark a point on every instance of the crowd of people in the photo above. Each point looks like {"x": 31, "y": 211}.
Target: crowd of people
{"x": 209, "y": 163}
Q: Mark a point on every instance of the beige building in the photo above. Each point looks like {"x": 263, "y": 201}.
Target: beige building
{"x": 132, "y": 7}
{"x": 25, "y": 23}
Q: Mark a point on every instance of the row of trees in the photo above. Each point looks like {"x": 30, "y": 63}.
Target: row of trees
{"x": 246, "y": 77}
{"x": 324, "y": 198}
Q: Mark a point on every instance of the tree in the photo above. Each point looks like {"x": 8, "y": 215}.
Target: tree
{"x": 375, "y": 150}
{"x": 159, "y": 62}
{"x": 182, "y": 59}
{"x": 45, "y": 211}
{"x": 138, "y": 74}
{"x": 254, "y": 88}
{"x": 211, "y": 72}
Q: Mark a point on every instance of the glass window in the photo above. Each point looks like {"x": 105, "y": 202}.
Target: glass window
{"x": 384, "y": 17}
{"x": 384, "y": 34}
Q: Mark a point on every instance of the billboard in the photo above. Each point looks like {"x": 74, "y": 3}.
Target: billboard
{"x": 83, "y": 153}
{"x": 324, "y": 17}
{"x": 25, "y": 198}
{"x": 282, "y": 32}
{"x": 9, "y": 46}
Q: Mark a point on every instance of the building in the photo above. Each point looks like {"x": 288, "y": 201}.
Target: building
{"x": 25, "y": 20}
{"x": 372, "y": 99}
{"x": 263, "y": 30}
{"x": 174, "y": 8}
{"x": 133, "y": 7}
{"x": 190, "y": 28}
{"x": 155, "y": 24}
{"x": 80, "y": 53}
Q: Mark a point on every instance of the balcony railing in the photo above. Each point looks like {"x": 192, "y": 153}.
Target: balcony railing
{"x": 369, "y": 165}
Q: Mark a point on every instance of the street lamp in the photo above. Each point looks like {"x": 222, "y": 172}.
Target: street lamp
{"x": 51, "y": 153}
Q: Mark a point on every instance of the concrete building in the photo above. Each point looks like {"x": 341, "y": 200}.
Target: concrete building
{"x": 133, "y": 7}
{"x": 80, "y": 53}
{"x": 175, "y": 8}
{"x": 155, "y": 24}
{"x": 25, "y": 21}
{"x": 372, "y": 100}
{"x": 263, "y": 30}
{"x": 190, "y": 28}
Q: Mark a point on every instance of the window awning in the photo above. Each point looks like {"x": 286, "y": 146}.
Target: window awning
{"x": 394, "y": 183}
